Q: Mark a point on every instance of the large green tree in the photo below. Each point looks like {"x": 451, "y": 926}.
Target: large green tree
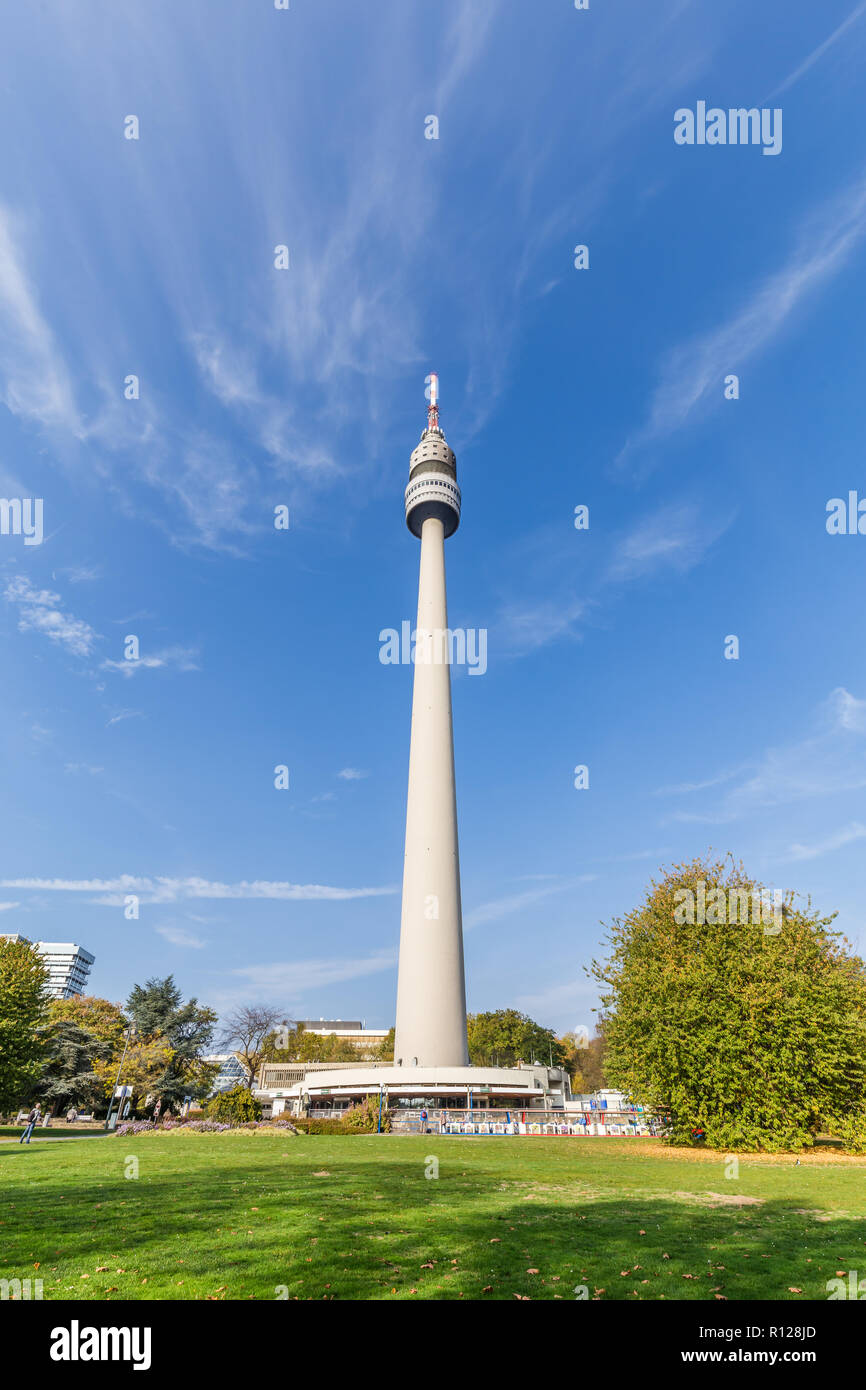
{"x": 160, "y": 1015}
{"x": 752, "y": 1030}
{"x": 71, "y": 1053}
{"x": 505, "y": 1036}
{"x": 23, "y": 1003}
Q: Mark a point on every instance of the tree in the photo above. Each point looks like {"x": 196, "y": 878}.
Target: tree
{"x": 247, "y": 1029}
{"x": 505, "y": 1037}
{"x": 145, "y": 1064}
{"x": 70, "y": 1054}
{"x": 750, "y": 1024}
{"x": 98, "y": 1016}
{"x": 23, "y": 1004}
{"x": 304, "y": 1046}
{"x": 586, "y": 1064}
{"x": 93, "y": 1028}
{"x": 385, "y": 1051}
{"x": 160, "y": 1016}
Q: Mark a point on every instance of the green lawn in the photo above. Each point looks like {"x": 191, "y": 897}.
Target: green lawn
{"x": 237, "y": 1216}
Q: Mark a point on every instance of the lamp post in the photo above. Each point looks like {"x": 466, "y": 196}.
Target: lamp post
{"x": 130, "y": 1033}
{"x": 381, "y": 1099}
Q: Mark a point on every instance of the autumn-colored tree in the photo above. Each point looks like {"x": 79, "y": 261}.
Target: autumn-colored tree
{"x": 105, "y": 1020}
{"x": 78, "y": 1034}
{"x": 586, "y": 1063}
{"x": 145, "y": 1063}
{"x": 747, "y": 1024}
{"x": 23, "y": 1005}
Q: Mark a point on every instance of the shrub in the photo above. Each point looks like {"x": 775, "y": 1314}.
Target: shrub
{"x": 364, "y": 1118}
{"x": 316, "y": 1126}
{"x": 851, "y": 1130}
{"x": 236, "y": 1106}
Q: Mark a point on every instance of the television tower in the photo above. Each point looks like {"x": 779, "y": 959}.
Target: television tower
{"x": 431, "y": 990}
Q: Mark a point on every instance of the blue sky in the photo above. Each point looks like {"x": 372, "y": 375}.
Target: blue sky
{"x": 305, "y": 387}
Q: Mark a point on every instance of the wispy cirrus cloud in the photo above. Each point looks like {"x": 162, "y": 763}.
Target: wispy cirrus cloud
{"x": 34, "y": 381}
{"x": 526, "y": 626}
{"x": 695, "y": 370}
{"x": 289, "y": 979}
{"x": 830, "y": 761}
{"x": 817, "y": 53}
{"x": 111, "y": 891}
{"x": 178, "y": 936}
{"x": 124, "y": 714}
{"x": 672, "y": 539}
{"x": 557, "y": 1004}
{"x": 675, "y": 537}
{"x": 42, "y": 611}
{"x": 847, "y": 836}
{"x": 704, "y": 784}
{"x": 506, "y": 906}
{"x": 176, "y": 658}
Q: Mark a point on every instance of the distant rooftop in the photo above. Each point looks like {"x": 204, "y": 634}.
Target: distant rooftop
{"x": 341, "y": 1024}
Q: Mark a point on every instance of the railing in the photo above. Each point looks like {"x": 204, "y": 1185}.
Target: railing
{"x": 516, "y": 1120}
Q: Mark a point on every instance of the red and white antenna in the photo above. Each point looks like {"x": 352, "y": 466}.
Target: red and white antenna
{"x": 433, "y": 398}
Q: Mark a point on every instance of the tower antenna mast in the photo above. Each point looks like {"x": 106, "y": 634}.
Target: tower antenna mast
{"x": 433, "y": 407}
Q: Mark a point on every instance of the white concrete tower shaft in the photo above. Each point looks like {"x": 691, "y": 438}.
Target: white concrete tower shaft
{"x": 431, "y": 991}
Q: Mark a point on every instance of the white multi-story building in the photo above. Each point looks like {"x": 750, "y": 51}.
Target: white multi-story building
{"x": 68, "y": 964}
{"x": 68, "y": 967}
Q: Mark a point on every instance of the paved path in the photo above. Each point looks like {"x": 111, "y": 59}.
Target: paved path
{"x": 57, "y": 1138}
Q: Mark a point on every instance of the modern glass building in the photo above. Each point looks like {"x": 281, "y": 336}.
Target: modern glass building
{"x": 232, "y": 1071}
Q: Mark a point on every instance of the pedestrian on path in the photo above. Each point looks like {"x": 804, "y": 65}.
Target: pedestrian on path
{"x": 32, "y": 1122}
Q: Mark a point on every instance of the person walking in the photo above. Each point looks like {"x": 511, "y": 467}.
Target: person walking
{"x": 32, "y": 1122}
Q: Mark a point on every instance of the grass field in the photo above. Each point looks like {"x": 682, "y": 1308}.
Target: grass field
{"x": 240, "y": 1216}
